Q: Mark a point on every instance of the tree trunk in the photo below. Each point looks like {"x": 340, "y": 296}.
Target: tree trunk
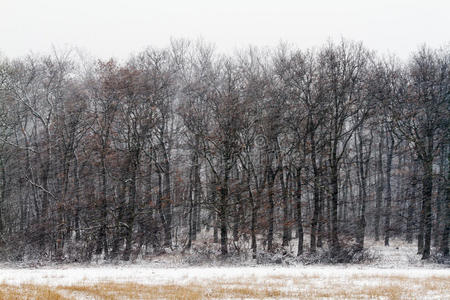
{"x": 411, "y": 207}
{"x": 439, "y": 200}
{"x": 380, "y": 187}
{"x": 270, "y": 184}
{"x": 387, "y": 213}
{"x": 159, "y": 207}
{"x": 446, "y": 217}
{"x": 191, "y": 207}
{"x": 119, "y": 231}
{"x": 427, "y": 188}
{"x": 363, "y": 161}
{"x": 223, "y": 219}
{"x": 213, "y": 199}
{"x": 285, "y": 199}
{"x": 196, "y": 190}
{"x": 101, "y": 238}
{"x": 298, "y": 197}
{"x": 77, "y": 207}
{"x": 254, "y": 216}
{"x": 316, "y": 200}
{"x": 167, "y": 209}
{"x": 223, "y": 206}
{"x": 335, "y": 247}
{"x": 215, "y": 229}
{"x": 323, "y": 196}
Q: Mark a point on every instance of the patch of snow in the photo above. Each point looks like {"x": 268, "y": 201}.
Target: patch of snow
{"x": 67, "y": 275}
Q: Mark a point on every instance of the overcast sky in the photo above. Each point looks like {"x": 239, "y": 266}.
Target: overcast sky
{"x": 106, "y": 28}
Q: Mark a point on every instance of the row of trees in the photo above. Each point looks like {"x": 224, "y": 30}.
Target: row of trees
{"x": 324, "y": 146}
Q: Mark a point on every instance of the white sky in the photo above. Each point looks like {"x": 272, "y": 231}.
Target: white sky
{"x": 106, "y": 28}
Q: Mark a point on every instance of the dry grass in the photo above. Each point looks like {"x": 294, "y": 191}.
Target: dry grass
{"x": 29, "y": 291}
{"x": 299, "y": 287}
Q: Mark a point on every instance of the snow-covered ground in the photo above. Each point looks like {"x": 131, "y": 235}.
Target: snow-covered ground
{"x": 397, "y": 272}
{"x": 294, "y": 282}
{"x": 399, "y": 259}
{"x": 68, "y": 275}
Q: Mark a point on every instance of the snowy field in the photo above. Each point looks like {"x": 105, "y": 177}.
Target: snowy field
{"x": 398, "y": 273}
{"x": 304, "y": 282}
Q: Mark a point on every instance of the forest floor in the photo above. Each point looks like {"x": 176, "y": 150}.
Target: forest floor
{"x": 397, "y": 273}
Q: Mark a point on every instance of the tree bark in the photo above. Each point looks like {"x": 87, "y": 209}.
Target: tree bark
{"x": 380, "y": 187}
{"x": 316, "y": 199}
{"x": 444, "y": 249}
{"x": 427, "y": 188}
{"x": 411, "y": 206}
{"x": 270, "y": 184}
{"x": 387, "y": 212}
{"x": 298, "y": 197}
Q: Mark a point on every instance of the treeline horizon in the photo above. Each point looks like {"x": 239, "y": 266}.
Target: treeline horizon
{"x": 328, "y": 146}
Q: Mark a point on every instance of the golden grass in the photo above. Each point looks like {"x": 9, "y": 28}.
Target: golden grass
{"x": 29, "y": 291}
{"x": 296, "y": 287}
